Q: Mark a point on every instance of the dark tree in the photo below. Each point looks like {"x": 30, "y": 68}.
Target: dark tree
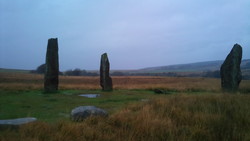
{"x": 41, "y": 69}
{"x": 117, "y": 73}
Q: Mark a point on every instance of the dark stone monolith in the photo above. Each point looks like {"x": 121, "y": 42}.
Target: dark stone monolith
{"x": 230, "y": 70}
{"x": 52, "y": 67}
{"x": 105, "y": 79}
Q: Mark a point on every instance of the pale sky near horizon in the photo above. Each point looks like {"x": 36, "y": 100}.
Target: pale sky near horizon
{"x": 135, "y": 33}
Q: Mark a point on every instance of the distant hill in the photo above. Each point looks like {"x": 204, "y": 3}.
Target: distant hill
{"x": 199, "y": 69}
{"x": 14, "y": 70}
{"x": 192, "y": 67}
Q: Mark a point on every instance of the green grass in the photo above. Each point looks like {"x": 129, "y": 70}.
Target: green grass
{"x": 190, "y": 115}
{"x": 194, "y": 109}
{"x": 57, "y": 106}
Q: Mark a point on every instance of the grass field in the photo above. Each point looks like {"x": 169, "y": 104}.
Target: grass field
{"x": 21, "y": 81}
{"x": 195, "y": 109}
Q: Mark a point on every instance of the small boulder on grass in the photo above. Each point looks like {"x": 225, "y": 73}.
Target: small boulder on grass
{"x": 160, "y": 91}
{"x": 82, "y": 112}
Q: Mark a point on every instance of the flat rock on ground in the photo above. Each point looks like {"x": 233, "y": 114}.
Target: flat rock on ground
{"x": 13, "y": 123}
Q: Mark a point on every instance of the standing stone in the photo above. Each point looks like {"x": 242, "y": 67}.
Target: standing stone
{"x": 230, "y": 70}
{"x": 52, "y": 67}
{"x": 105, "y": 79}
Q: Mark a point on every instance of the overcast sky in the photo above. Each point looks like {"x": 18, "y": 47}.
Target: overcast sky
{"x": 134, "y": 33}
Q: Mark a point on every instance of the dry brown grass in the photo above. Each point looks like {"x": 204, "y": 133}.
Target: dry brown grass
{"x": 21, "y": 81}
{"x": 172, "y": 83}
{"x": 181, "y": 117}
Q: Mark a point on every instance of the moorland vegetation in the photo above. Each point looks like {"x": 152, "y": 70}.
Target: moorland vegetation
{"x": 193, "y": 109}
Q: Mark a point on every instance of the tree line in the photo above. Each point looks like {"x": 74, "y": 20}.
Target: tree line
{"x": 74, "y": 72}
{"x": 81, "y": 72}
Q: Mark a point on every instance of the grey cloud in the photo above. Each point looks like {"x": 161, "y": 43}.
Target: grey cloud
{"x": 137, "y": 33}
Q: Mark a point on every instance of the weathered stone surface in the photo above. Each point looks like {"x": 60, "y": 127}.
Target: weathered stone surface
{"x": 105, "y": 79}
{"x": 230, "y": 70}
{"x": 83, "y": 112}
{"x": 15, "y": 123}
{"x": 52, "y": 67}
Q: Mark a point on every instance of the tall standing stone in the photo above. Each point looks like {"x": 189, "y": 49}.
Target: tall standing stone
{"x": 52, "y": 67}
{"x": 105, "y": 79}
{"x": 230, "y": 70}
